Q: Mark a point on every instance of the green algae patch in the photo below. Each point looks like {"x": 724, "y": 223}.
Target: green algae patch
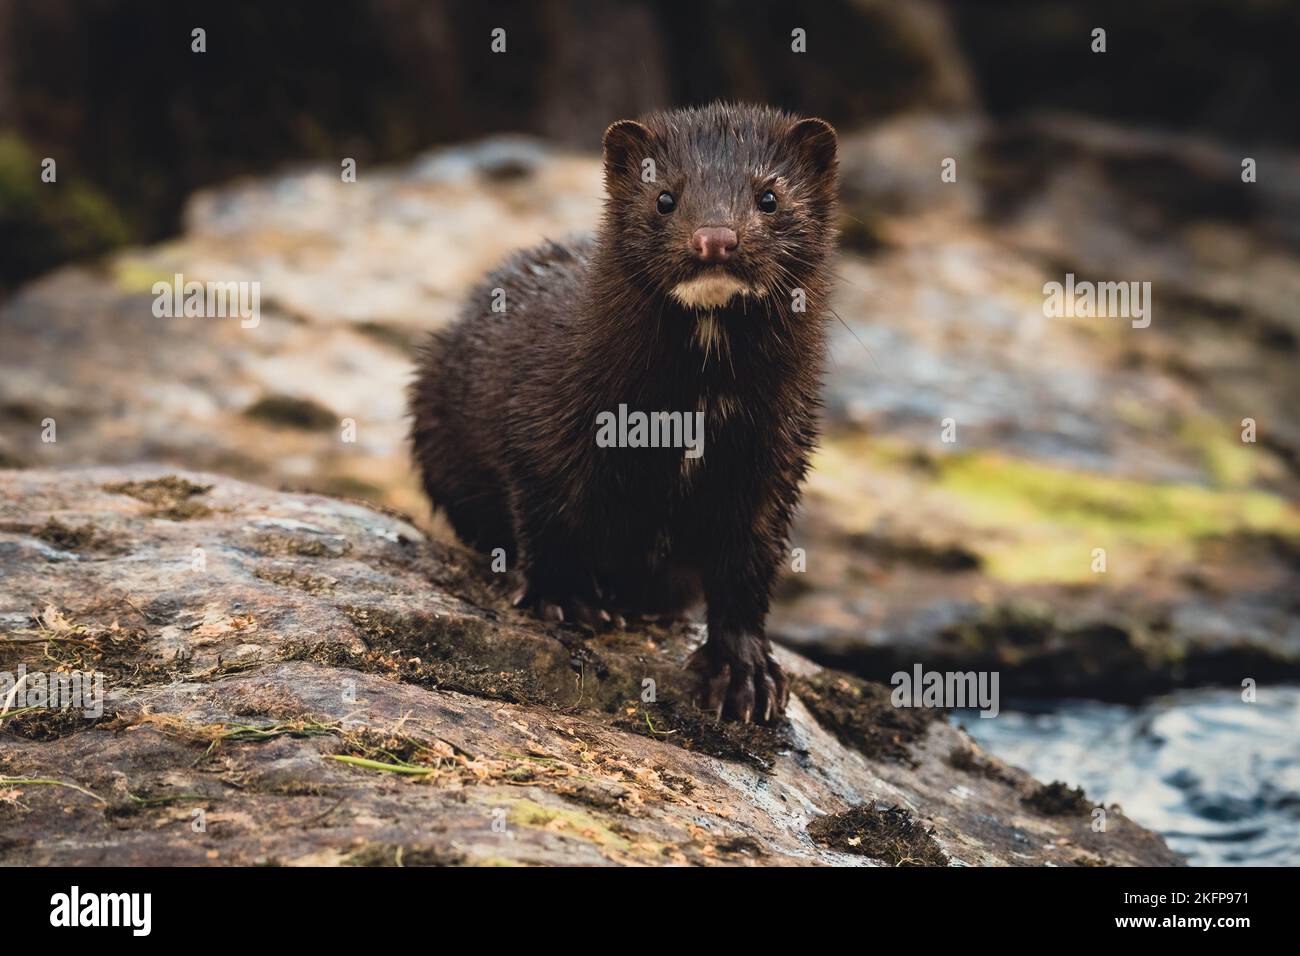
{"x": 1027, "y": 521}
{"x": 529, "y": 813}
{"x": 133, "y": 274}
{"x": 44, "y": 224}
{"x": 1229, "y": 461}
{"x": 397, "y": 855}
{"x": 1058, "y": 515}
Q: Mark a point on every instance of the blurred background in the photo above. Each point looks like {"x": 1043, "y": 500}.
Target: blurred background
{"x": 1073, "y": 434}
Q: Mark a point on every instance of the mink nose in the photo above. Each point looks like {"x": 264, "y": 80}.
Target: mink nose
{"x": 714, "y": 243}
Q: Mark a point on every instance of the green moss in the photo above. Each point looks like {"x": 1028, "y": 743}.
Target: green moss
{"x": 91, "y": 222}
{"x": 528, "y": 813}
{"x": 1229, "y": 461}
{"x": 137, "y": 274}
{"x": 388, "y": 854}
{"x": 1059, "y": 515}
{"x": 43, "y": 224}
{"x": 1032, "y": 521}
{"x": 1016, "y": 490}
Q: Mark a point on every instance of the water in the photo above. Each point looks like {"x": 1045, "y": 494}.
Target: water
{"x": 1218, "y": 777}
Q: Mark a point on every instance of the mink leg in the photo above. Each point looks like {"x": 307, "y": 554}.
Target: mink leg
{"x": 742, "y": 681}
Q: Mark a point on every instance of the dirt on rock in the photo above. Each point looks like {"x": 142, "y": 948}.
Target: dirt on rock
{"x": 171, "y": 497}
{"x": 970, "y": 760}
{"x": 889, "y": 834}
{"x": 862, "y": 714}
{"x": 291, "y": 412}
{"x": 685, "y": 726}
{"x": 1057, "y": 799}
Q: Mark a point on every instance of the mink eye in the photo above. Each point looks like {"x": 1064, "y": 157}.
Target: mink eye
{"x": 666, "y": 203}
{"x": 767, "y": 202}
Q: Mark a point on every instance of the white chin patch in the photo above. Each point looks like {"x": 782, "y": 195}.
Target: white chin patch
{"x": 709, "y": 291}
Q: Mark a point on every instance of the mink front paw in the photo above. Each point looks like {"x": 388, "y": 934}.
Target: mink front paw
{"x": 565, "y": 606}
{"x": 742, "y": 681}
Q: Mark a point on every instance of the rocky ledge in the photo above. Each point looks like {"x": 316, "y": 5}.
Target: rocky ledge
{"x": 298, "y": 679}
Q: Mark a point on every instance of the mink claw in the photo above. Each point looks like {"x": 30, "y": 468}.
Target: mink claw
{"x": 745, "y": 693}
{"x": 716, "y": 680}
{"x": 563, "y": 610}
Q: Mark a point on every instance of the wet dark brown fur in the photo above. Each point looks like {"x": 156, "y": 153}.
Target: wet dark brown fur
{"x": 505, "y": 403}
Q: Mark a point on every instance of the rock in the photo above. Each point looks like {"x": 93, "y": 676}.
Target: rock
{"x": 297, "y": 679}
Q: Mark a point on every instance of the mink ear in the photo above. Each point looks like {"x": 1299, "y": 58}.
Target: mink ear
{"x": 626, "y": 144}
{"x": 814, "y": 140}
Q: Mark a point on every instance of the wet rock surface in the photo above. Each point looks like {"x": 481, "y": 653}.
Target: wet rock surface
{"x": 1074, "y": 437}
{"x": 297, "y": 679}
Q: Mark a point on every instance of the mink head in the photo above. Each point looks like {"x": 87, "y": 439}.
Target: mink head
{"x": 720, "y": 203}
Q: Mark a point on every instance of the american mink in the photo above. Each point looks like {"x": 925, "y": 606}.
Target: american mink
{"x": 703, "y": 290}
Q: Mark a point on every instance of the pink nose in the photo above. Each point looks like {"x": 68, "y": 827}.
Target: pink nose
{"x": 714, "y": 243}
